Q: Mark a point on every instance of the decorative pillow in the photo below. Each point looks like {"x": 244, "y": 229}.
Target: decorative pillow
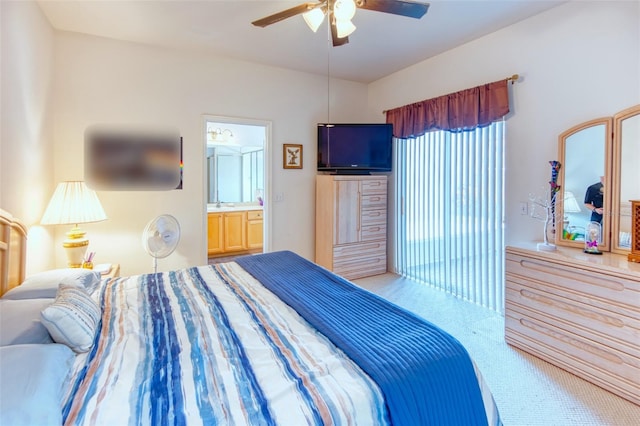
{"x": 20, "y": 322}
{"x": 73, "y": 318}
{"x": 45, "y": 284}
{"x": 33, "y": 379}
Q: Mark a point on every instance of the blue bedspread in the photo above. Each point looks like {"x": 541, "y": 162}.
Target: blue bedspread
{"x": 426, "y": 375}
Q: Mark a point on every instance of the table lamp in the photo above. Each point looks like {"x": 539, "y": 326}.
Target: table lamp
{"x": 73, "y": 203}
{"x": 570, "y": 203}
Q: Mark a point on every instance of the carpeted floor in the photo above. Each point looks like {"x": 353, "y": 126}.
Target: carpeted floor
{"x": 214, "y": 260}
{"x": 223, "y": 259}
{"x": 527, "y": 390}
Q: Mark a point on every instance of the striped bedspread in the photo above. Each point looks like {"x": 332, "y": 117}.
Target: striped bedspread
{"x": 210, "y": 345}
{"x": 214, "y": 345}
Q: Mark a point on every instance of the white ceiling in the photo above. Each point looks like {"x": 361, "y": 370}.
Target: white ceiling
{"x": 381, "y": 44}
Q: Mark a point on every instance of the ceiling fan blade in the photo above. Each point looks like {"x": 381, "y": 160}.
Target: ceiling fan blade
{"x": 410, "y": 9}
{"x": 288, "y": 13}
{"x": 337, "y": 41}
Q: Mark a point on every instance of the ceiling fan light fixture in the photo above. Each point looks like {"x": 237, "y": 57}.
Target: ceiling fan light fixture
{"x": 344, "y": 28}
{"x": 314, "y": 18}
{"x": 344, "y": 10}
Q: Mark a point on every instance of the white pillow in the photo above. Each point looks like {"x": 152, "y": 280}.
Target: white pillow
{"x": 73, "y": 318}
{"x": 32, "y": 386}
{"x": 20, "y": 322}
{"x": 45, "y": 284}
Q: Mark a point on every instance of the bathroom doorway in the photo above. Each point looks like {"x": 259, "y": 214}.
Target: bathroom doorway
{"x": 237, "y": 186}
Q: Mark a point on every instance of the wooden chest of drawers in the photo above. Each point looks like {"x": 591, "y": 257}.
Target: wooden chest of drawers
{"x": 577, "y": 311}
{"x": 351, "y": 224}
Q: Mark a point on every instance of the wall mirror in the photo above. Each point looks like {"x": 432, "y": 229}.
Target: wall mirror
{"x": 585, "y": 157}
{"x": 234, "y": 174}
{"x": 602, "y": 151}
{"x": 626, "y": 175}
{"x": 234, "y": 162}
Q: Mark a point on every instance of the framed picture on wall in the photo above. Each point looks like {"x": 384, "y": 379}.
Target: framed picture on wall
{"x": 291, "y": 156}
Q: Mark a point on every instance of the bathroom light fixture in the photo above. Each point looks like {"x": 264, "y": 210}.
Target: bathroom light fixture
{"x": 220, "y": 136}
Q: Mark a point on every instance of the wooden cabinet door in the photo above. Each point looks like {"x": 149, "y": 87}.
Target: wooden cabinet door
{"x": 235, "y": 237}
{"x": 347, "y": 212}
{"x": 254, "y": 229}
{"x": 215, "y": 233}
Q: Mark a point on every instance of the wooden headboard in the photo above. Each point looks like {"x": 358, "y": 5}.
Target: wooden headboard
{"x": 13, "y": 252}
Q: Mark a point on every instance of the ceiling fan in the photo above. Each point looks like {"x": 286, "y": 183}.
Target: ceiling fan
{"x": 340, "y": 13}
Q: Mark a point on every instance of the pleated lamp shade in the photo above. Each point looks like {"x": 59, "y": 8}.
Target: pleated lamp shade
{"x": 73, "y": 203}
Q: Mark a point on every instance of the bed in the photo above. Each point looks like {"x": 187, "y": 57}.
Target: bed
{"x": 266, "y": 339}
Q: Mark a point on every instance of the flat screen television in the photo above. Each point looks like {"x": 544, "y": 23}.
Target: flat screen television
{"x": 357, "y": 148}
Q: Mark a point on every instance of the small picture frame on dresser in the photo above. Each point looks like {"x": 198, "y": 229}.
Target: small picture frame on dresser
{"x": 291, "y": 156}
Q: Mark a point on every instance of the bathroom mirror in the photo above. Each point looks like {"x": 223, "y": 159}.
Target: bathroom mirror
{"x": 234, "y": 173}
{"x": 608, "y": 147}
{"x": 585, "y": 158}
{"x": 626, "y": 175}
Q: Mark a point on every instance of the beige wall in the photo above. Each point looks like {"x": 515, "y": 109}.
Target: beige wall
{"x": 106, "y": 81}
{"x": 26, "y": 144}
{"x": 577, "y": 62}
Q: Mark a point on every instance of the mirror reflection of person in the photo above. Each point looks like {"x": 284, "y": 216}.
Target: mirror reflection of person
{"x": 593, "y": 200}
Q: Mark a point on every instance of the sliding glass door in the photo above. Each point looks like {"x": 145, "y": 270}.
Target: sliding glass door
{"x": 449, "y": 217}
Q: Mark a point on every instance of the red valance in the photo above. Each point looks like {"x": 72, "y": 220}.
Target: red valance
{"x": 463, "y": 110}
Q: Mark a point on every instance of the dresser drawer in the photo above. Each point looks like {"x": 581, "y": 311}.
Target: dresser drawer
{"x": 370, "y": 217}
{"x": 374, "y": 186}
{"x": 575, "y": 315}
{"x": 359, "y": 267}
{"x": 615, "y": 291}
{"x": 374, "y": 232}
{"x": 373, "y": 201}
{"x": 348, "y": 251}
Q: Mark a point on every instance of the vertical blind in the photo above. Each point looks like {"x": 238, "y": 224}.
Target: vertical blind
{"x": 449, "y": 190}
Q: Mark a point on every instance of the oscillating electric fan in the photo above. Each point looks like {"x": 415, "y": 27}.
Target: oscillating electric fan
{"x": 160, "y": 237}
